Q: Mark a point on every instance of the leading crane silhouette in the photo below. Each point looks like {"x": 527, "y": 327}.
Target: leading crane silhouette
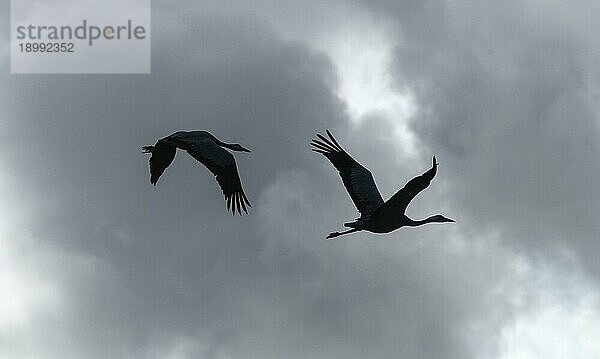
{"x": 208, "y": 150}
{"x": 376, "y": 215}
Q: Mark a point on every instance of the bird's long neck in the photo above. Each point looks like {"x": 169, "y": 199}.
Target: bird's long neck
{"x": 420, "y": 222}
{"x": 226, "y": 145}
{"x": 215, "y": 140}
{"x": 220, "y": 143}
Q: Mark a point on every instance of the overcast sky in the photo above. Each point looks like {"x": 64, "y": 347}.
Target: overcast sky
{"x": 97, "y": 263}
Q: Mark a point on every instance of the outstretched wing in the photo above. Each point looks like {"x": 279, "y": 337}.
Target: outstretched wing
{"x": 400, "y": 200}
{"x": 222, "y": 164}
{"x": 163, "y": 154}
{"x": 357, "y": 179}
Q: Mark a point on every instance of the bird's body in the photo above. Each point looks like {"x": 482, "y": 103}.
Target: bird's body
{"x": 208, "y": 150}
{"x": 384, "y": 224}
{"x": 377, "y": 215}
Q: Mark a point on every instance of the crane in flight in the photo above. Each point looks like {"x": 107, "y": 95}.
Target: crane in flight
{"x": 376, "y": 215}
{"x": 208, "y": 150}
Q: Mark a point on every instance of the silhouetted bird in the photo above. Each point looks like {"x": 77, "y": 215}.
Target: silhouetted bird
{"x": 208, "y": 150}
{"x": 376, "y": 215}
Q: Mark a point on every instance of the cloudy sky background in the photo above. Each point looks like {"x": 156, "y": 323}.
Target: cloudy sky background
{"x": 97, "y": 263}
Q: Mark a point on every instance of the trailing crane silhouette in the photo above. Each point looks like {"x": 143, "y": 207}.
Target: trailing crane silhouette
{"x": 208, "y": 150}
{"x": 376, "y": 215}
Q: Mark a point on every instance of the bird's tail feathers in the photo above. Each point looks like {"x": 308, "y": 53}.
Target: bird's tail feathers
{"x": 147, "y": 149}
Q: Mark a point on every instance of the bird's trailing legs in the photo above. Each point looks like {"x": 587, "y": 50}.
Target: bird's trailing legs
{"x": 337, "y": 234}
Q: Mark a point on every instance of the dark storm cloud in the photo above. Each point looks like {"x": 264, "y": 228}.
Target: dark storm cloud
{"x": 509, "y": 90}
{"x": 180, "y": 262}
{"x": 148, "y": 272}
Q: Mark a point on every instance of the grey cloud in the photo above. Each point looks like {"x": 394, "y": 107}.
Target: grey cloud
{"x": 180, "y": 264}
{"x": 146, "y": 271}
{"x": 509, "y": 91}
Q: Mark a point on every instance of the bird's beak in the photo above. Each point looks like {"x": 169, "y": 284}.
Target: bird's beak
{"x": 246, "y": 150}
{"x": 450, "y": 220}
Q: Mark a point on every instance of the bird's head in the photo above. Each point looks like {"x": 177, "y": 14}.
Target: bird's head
{"x": 240, "y": 148}
{"x": 440, "y": 218}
